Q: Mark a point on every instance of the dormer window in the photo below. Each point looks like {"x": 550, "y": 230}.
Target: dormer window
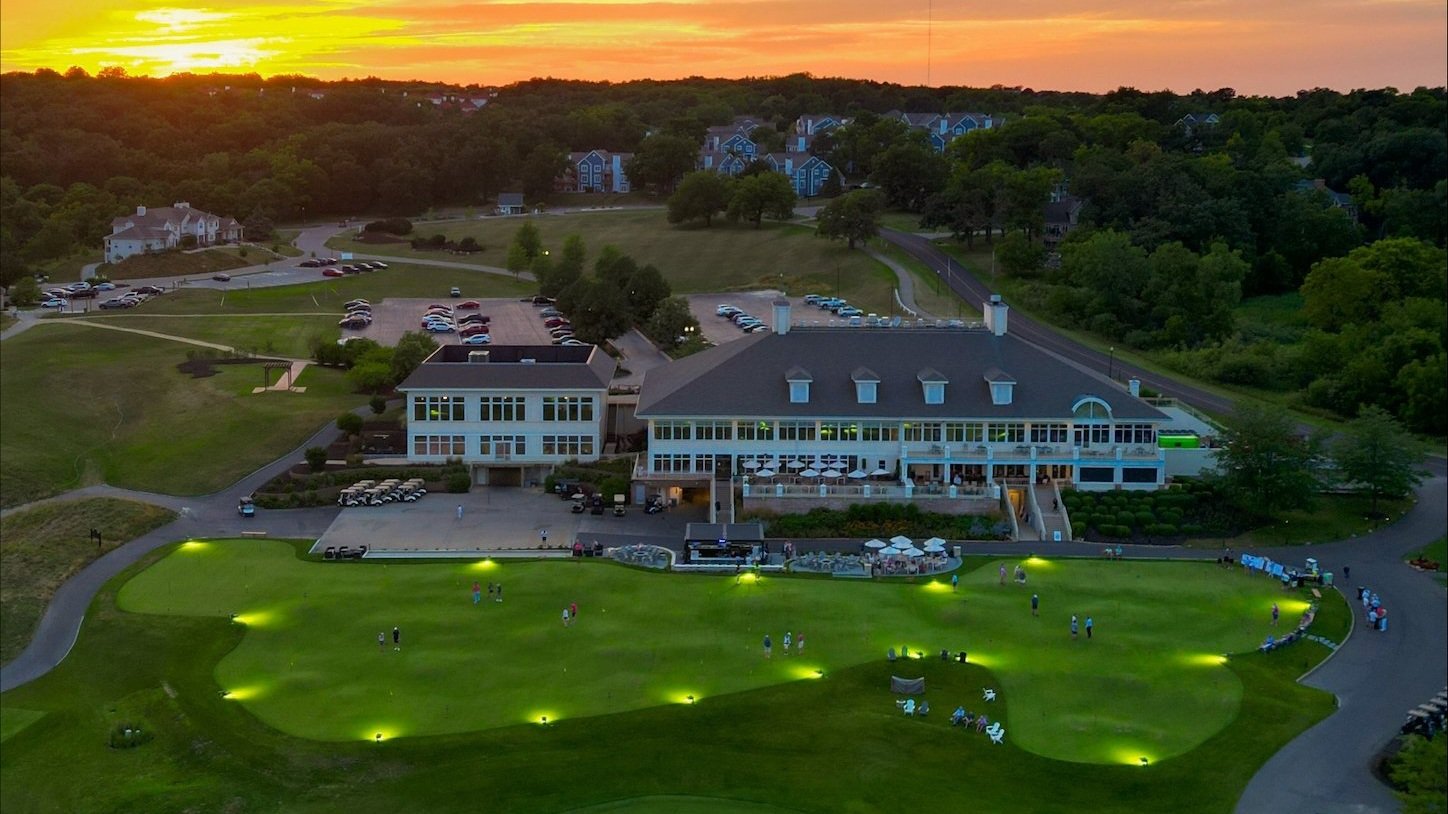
{"x": 867, "y": 385}
{"x": 799, "y": 380}
{"x": 933, "y": 384}
{"x": 1002, "y": 386}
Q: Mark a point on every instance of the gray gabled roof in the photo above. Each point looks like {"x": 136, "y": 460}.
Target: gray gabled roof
{"x": 748, "y": 377}
{"x": 553, "y": 367}
{"x": 510, "y": 199}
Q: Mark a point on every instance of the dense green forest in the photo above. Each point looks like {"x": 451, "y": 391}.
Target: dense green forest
{"x": 1177, "y": 226}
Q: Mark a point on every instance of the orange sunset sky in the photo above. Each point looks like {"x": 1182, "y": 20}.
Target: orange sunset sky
{"x": 1255, "y": 46}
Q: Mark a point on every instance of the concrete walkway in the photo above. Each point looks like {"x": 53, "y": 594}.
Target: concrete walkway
{"x": 904, "y": 282}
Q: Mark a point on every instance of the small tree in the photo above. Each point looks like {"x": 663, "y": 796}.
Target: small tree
{"x": 832, "y": 186}
{"x": 378, "y": 405}
{"x": 25, "y": 292}
{"x": 350, "y": 423}
{"x": 854, "y": 217}
{"x": 758, "y": 196}
{"x": 316, "y": 458}
{"x": 701, "y": 195}
{"x": 518, "y": 260}
{"x": 1020, "y": 256}
{"x": 1376, "y": 455}
{"x": 1266, "y": 465}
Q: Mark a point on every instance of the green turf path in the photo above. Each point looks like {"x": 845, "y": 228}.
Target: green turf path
{"x": 1150, "y": 683}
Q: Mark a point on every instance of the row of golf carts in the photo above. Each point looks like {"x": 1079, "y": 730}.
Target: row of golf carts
{"x": 375, "y": 493}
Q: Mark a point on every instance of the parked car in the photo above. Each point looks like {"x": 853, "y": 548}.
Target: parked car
{"x": 350, "y": 269}
{"x": 221, "y": 278}
{"x": 550, "y": 312}
{"x": 105, "y": 287}
{"x": 573, "y": 343}
{"x": 554, "y": 322}
{"x": 756, "y": 329}
{"x": 438, "y": 328}
{"x": 309, "y": 264}
{"x": 118, "y": 302}
{"x": 850, "y": 311}
{"x": 726, "y": 310}
{"x": 55, "y": 302}
{"x": 480, "y": 319}
{"x": 470, "y": 305}
{"x": 356, "y": 302}
{"x": 470, "y": 330}
{"x": 812, "y": 299}
{"x": 331, "y": 272}
{"x": 353, "y": 322}
{"x": 378, "y": 265}
{"x": 149, "y": 289}
{"x": 455, "y": 292}
{"x": 84, "y": 294}
{"x": 478, "y": 339}
{"x": 541, "y": 300}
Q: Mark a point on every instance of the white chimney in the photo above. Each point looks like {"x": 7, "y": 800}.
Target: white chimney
{"x": 781, "y": 316}
{"x": 995, "y": 315}
{"x": 183, "y": 204}
{"x": 1133, "y": 385}
{"x": 140, "y": 211}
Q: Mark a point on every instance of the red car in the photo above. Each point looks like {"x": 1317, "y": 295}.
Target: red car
{"x": 332, "y": 272}
{"x": 470, "y": 305}
{"x": 469, "y": 330}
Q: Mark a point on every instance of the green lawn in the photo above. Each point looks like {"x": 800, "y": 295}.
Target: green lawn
{"x": 41, "y": 547}
{"x": 328, "y": 294}
{"x": 1179, "y": 693}
{"x": 67, "y": 269}
{"x": 762, "y": 736}
{"x": 6, "y": 321}
{"x": 176, "y": 263}
{"x": 721, "y": 258}
{"x": 1335, "y": 517}
{"x": 1437, "y": 551}
{"x": 263, "y": 335}
{"x": 84, "y": 406}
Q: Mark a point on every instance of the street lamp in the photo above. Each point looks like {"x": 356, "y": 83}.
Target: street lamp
{"x": 1111, "y": 366}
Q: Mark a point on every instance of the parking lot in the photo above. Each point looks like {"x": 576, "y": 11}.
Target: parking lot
{"x": 758, "y": 304}
{"x": 512, "y": 322}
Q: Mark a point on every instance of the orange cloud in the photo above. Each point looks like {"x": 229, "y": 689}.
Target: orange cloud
{"x": 1086, "y": 44}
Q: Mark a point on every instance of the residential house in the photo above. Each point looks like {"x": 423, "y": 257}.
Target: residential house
{"x": 1062, "y": 214}
{"x": 807, "y": 173}
{"x": 1335, "y": 199}
{"x": 1196, "y": 121}
{"x": 723, "y": 163}
{"x": 509, "y": 412}
{"x": 936, "y": 414}
{"x": 166, "y": 227}
{"x": 510, "y": 203}
{"x": 730, "y": 140}
{"x": 943, "y": 128}
{"x": 595, "y": 171}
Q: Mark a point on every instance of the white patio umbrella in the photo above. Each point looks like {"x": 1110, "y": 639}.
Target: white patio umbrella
{"x": 810, "y": 473}
{"x": 912, "y": 551}
{"x": 772, "y": 463}
{"x": 901, "y": 542}
{"x": 934, "y": 544}
{"x": 796, "y": 464}
{"x": 857, "y": 474}
{"x": 751, "y": 464}
{"x": 831, "y": 473}
{"x": 889, "y": 551}
{"x": 879, "y": 472}
{"x": 875, "y": 544}
{"x": 765, "y": 473}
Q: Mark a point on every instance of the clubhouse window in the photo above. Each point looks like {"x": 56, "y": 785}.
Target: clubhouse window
{"x": 567, "y": 408}
{"x": 1010, "y": 432}
{"x": 957, "y": 432}
{"x": 1138, "y": 474}
{"x": 839, "y": 431}
{"x": 713, "y": 430}
{"x": 796, "y": 431}
{"x": 755, "y": 431}
{"x": 503, "y": 445}
{"x": 437, "y": 408}
{"x": 453, "y": 445}
{"x": 503, "y": 408}
{"x": 928, "y": 431}
{"x": 672, "y": 431}
{"x": 1135, "y": 434}
{"x": 571, "y": 445}
{"x": 1048, "y": 433}
{"x": 877, "y": 431}
{"x": 672, "y": 463}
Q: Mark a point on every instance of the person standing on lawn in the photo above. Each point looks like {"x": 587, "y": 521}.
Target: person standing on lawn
{"x": 1035, "y": 604}
{"x": 1073, "y": 626}
{"x": 477, "y": 593}
{"x": 1089, "y": 625}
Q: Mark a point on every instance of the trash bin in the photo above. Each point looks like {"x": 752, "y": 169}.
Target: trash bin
{"x": 1327, "y": 578}
{"x": 956, "y": 552}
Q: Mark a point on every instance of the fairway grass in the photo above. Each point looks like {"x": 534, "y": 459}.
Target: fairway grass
{"x": 831, "y": 745}
{"x": 724, "y": 257}
{"x": 1152, "y": 682}
{"x": 84, "y": 406}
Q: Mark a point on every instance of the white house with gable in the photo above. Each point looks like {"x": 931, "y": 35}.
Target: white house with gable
{"x": 164, "y": 227}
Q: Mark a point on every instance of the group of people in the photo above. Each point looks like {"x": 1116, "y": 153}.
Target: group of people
{"x": 495, "y": 592}
{"x": 1075, "y": 625}
{"x": 962, "y": 717}
{"x": 1019, "y": 575}
{"x": 396, "y": 640}
{"x": 570, "y": 614}
{"x": 1377, "y": 615}
{"x": 791, "y": 643}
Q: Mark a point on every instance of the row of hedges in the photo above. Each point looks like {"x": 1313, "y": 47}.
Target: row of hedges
{"x": 293, "y": 491}
{"x": 468, "y": 245}
{"x": 390, "y": 226}
{"x": 882, "y": 520}
{"x": 1190, "y": 508}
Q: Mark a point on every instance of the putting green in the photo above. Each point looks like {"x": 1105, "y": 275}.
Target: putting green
{"x": 1151, "y": 683}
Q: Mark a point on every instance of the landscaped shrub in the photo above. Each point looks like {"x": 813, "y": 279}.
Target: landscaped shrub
{"x": 378, "y": 405}
{"x": 390, "y": 226}
{"x": 128, "y": 736}
{"x": 1161, "y": 530}
{"x": 316, "y": 458}
{"x": 1191, "y": 528}
{"x": 350, "y": 423}
{"x": 1143, "y": 518}
{"x": 459, "y": 482}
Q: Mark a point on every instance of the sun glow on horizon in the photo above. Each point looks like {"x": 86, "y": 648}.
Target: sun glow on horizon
{"x": 1095, "y": 45}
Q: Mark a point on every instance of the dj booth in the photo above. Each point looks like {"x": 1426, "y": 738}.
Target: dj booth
{"x": 723, "y": 541}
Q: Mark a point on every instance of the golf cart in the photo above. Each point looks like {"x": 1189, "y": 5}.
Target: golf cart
{"x": 577, "y": 503}
{"x": 618, "y": 501}
{"x": 245, "y": 507}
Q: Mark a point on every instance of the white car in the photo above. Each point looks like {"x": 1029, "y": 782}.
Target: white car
{"x": 55, "y": 302}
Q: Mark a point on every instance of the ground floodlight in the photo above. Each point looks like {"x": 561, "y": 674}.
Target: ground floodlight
{"x": 379, "y": 739}
{"x": 545, "y": 720}
{"x": 223, "y": 693}
{"x": 233, "y": 618}
{"x": 691, "y": 699}
{"x": 820, "y": 673}
{"x": 1144, "y": 761}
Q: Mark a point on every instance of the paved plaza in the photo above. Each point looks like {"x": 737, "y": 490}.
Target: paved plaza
{"x": 494, "y": 519}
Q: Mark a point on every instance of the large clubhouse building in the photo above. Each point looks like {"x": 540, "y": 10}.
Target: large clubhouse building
{"x": 934, "y": 410}
{"x": 857, "y": 413}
